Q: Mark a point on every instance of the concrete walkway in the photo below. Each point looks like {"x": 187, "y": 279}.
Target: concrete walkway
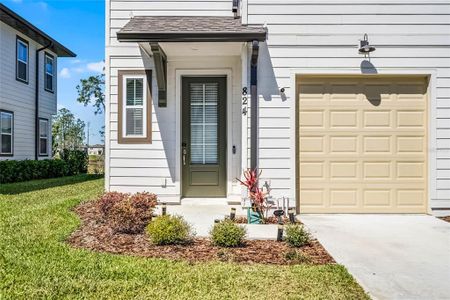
{"x": 391, "y": 256}
{"x": 201, "y": 213}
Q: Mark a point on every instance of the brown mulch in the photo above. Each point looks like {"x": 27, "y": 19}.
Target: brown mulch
{"x": 95, "y": 234}
{"x": 446, "y": 219}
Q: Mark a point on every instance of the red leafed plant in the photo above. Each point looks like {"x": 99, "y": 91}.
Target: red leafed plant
{"x": 126, "y": 213}
{"x": 257, "y": 195}
{"x": 251, "y": 179}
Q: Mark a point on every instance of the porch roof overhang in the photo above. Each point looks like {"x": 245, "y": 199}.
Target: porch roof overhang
{"x": 189, "y": 29}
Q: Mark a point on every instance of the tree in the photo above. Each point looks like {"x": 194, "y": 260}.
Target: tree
{"x": 67, "y": 132}
{"x": 90, "y": 90}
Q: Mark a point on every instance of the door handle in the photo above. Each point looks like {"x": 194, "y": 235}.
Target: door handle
{"x": 184, "y": 152}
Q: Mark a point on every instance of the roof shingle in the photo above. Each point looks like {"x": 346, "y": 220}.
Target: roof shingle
{"x": 175, "y": 28}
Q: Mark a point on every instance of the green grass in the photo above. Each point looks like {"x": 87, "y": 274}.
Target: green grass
{"x": 36, "y": 217}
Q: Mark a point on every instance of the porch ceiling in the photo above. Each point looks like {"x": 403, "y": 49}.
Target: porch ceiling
{"x": 202, "y": 49}
{"x": 189, "y": 29}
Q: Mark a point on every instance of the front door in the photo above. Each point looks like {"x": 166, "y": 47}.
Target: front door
{"x": 203, "y": 144}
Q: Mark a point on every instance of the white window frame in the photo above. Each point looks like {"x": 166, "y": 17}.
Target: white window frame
{"x": 19, "y": 40}
{"x": 41, "y": 137}
{"x": 11, "y": 153}
{"x": 143, "y": 106}
{"x": 48, "y": 56}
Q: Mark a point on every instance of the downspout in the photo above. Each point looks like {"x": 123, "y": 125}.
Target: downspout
{"x": 36, "y": 103}
{"x": 254, "y": 106}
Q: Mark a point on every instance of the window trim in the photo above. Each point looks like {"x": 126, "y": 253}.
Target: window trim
{"x": 46, "y": 54}
{"x": 47, "y": 138}
{"x": 147, "y": 137}
{"x": 12, "y": 134}
{"x": 26, "y": 43}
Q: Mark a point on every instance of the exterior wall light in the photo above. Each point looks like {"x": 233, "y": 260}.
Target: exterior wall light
{"x": 364, "y": 47}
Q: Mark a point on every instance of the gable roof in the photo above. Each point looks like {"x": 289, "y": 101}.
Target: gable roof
{"x": 12, "y": 19}
{"x": 189, "y": 29}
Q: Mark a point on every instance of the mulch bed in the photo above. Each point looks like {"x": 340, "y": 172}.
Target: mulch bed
{"x": 95, "y": 234}
{"x": 446, "y": 219}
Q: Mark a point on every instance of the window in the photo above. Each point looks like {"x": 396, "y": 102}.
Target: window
{"x": 48, "y": 72}
{"x": 43, "y": 137}
{"x": 204, "y": 99}
{"x": 21, "y": 60}
{"x": 6, "y": 132}
{"x": 134, "y": 107}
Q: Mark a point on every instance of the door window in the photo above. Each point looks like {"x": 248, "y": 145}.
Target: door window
{"x": 204, "y": 122}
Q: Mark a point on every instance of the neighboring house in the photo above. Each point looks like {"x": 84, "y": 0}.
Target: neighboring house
{"x": 96, "y": 149}
{"x": 199, "y": 91}
{"x": 27, "y": 87}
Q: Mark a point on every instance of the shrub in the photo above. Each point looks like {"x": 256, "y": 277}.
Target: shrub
{"x": 72, "y": 162}
{"x": 127, "y": 213}
{"x": 167, "y": 230}
{"x": 77, "y": 160}
{"x": 227, "y": 234}
{"x": 296, "y": 257}
{"x": 24, "y": 170}
{"x": 108, "y": 200}
{"x": 297, "y": 235}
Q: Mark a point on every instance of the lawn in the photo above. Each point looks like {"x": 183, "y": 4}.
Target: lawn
{"x": 35, "y": 262}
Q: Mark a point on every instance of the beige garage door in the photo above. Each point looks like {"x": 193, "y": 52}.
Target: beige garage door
{"x": 362, "y": 144}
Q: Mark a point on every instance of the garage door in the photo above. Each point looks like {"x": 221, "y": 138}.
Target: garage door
{"x": 362, "y": 144}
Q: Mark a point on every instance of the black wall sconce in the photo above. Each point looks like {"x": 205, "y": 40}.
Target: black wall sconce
{"x": 364, "y": 47}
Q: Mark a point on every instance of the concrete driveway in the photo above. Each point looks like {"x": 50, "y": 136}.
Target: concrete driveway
{"x": 391, "y": 256}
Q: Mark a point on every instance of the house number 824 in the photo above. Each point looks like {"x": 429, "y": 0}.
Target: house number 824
{"x": 244, "y": 101}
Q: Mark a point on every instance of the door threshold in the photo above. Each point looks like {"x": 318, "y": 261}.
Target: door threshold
{"x": 204, "y": 201}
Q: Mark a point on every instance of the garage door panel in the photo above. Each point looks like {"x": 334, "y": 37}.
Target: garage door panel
{"x": 377, "y": 119}
{"x": 343, "y": 144}
{"x": 377, "y": 144}
{"x": 411, "y": 144}
{"x": 343, "y": 118}
{"x": 410, "y": 119}
{"x": 362, "y": 145}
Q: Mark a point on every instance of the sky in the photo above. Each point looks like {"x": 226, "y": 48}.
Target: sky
{"x": 79, "y": 26}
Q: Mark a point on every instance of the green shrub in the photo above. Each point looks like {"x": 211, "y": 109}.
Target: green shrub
{"x": 127, "y": 213}
{"x": 296, "y": 257}
{"x": 167, "y": 230}
{"x": 228, "y": 234}
{"x": 297, "y": 235}
{"x": 73, "y": 162}
{"x": 77, "y": 160}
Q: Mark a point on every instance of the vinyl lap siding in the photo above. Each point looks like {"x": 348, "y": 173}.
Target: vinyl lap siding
{"x": 19, "y": 97}
{"x": 325, "y": 34}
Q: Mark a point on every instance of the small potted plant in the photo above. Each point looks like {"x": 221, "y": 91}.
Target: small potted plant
{"x": 257, "y": 196}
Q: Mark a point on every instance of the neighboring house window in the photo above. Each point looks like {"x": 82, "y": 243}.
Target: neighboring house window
{"x": 48, "y": 72}
{"x": 43, "y": 137}
{"x": 21, "y": 59}
{"x": 134, "y": 107}
{"x": 6, "y": 132}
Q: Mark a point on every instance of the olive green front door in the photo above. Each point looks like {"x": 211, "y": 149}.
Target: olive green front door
{"x": 203, "y": 143}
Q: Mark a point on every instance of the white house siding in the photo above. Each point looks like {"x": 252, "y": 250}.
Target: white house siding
{"x": 153, "y": 167}
{"x": 19, "y": 97}
{"x": 324, "y": 34}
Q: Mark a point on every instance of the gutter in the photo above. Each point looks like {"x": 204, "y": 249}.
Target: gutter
{"x": 36, "y": 103}
{"x": 254, "y": 105}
